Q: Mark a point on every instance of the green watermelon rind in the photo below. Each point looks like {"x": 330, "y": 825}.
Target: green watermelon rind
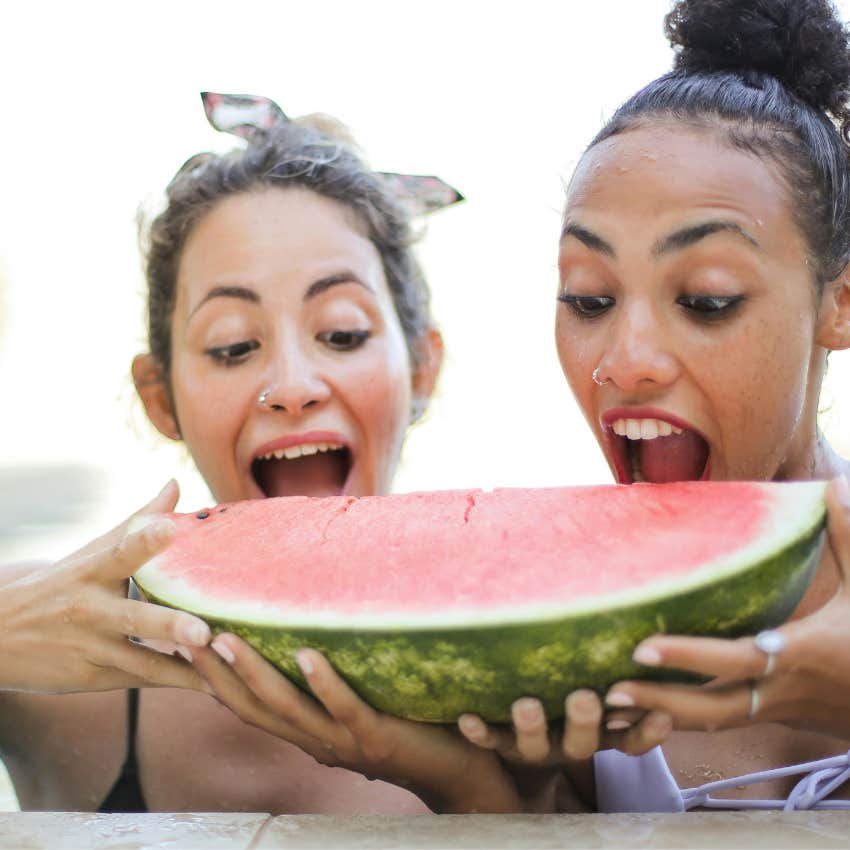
{"x": 436, "y": 675}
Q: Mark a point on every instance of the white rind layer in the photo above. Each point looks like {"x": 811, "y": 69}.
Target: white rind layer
{"x": 798, "y": 509}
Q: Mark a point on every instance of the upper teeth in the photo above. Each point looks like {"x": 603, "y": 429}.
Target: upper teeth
{"x": 304, "y": 449}
{"x": 644, "y": 429}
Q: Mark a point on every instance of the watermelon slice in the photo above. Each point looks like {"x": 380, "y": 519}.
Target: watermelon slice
{"x": 434, "y": 604}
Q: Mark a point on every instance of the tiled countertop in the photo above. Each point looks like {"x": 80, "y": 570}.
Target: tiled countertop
{"x": 62, "y": 831}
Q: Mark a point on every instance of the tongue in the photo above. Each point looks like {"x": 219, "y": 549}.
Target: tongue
{"x": 679, "y": 457}
{"x": 321, "y": 474}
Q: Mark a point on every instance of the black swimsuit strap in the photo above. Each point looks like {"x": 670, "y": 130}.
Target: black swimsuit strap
{"x": 126, "y": 794}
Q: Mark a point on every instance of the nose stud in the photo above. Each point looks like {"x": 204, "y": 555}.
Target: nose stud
{"x": 263, "y": 401}
{"x": 596, "y": 380}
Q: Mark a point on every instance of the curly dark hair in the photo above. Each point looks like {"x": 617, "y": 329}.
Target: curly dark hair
{"x": 773, "y": 77}
{"x": 293, "y": 155}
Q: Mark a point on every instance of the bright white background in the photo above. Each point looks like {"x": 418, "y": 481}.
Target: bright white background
{"x": 101, "y": 106}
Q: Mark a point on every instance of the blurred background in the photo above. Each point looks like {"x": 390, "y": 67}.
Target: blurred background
{"x": 498, "y": 99}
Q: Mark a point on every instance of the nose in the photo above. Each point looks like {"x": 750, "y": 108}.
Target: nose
{"x": 639, "y": 354}
{"x": 293, "y": 384}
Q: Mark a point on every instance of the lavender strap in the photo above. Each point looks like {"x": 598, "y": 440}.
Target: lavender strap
{"x": 824, "y": 777}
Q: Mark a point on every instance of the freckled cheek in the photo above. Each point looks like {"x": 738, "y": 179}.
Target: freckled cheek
{"x": 381, "y": 398}
{"x": 209, "y": 411}
{"x": 578, "y": 358}
{"x": 756, "y": 392}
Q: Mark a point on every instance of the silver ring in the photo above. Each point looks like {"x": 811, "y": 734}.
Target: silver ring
{"x": 596, "y": 380}
{"x": 264, "y": 395}
{"x": 771, "y": 643}
{"x": 755, "y": 700}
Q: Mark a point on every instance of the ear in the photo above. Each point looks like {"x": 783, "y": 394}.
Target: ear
{"x": 151, "y": 387}
{"x": 833, "y": 331}
{"x": 430, "y": 349}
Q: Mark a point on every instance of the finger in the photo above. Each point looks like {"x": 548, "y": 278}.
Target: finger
{"x": 273, "y": 689}
{"x": 232, "y": 691}
{"x": 651, "y": 731}
{"x": 477, "y": 732}
{"x": 120, "y": 560}
{"x": 583, "y": 714}
{"x": 692, "y": 707}
{"x": 715, "y": 657}
{"x": 164, "y": 502}
{"x": 151, "y": 622}
{"x": 531, "y": 729}
{"x": 838, "y": 527}
{"x": 152, "y": 668}
{"x": 341, "y": 702}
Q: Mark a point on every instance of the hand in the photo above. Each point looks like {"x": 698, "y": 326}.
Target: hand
{"x": 340, "y": 730}
{"x": 570, "y": 745}
{"x": 809, "y": 685}
{"x": 65, "y": 627}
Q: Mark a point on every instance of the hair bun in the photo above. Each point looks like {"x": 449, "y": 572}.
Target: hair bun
{"x": 802, "y": 43}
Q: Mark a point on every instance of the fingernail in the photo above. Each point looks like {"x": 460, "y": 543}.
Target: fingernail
{"x": 619, "y": 699}
{"x": 842, "y": 490}
{"x": 470, "y": 724}
{"x": 168, "y": 485}
{"x": 302, "y": 658}
{"x": 528, "y": 710}
{"x": 184, "y": 653}
{"x": 617, "y": 725}
{"x": 223, "y": 650}
{"x": 647, "y": 655}
{"x": 195, "y": 633}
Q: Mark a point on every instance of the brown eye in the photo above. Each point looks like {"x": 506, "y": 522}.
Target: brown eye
{"x": 344, "y": 340}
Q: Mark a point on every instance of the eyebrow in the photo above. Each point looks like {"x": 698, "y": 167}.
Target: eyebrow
{"x": 227, "y": 292}
{"x": 677, "y": 241}
{"x": 246, "y": 294}
{"x": 588, "y": 239}
{"x": 325, "y": 283}
{"x": 688, "y": 236}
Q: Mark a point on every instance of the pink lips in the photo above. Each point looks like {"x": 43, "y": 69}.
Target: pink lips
{"x": 617, "y": 445}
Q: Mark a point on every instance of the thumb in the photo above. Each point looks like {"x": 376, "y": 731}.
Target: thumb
{"x": 164, "y": 502}
{"x": 838, "y": 527}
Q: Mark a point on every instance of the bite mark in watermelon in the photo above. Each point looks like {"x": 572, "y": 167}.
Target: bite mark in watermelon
{"x": 435, "y": 604}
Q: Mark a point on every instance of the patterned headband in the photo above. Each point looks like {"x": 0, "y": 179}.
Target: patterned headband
{"x": 252, "y": 117}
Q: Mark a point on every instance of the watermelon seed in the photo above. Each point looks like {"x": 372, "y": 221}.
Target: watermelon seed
{"x": 202, "y": 514}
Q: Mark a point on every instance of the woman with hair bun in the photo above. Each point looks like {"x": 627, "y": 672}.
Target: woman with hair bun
{"x": 703, "y": 281}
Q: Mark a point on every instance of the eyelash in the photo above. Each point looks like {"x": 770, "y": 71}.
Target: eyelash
{"x": 232, "y": 355}
{"x": 587, "y": 306}
{"x": 704, "y": 308}
{"x": 709, "y": 308}
{"x": 355, "y": 339}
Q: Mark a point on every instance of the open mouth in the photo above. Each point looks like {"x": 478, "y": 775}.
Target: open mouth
{"x": 657, "y": 451}
{"x": 308, "y": 469}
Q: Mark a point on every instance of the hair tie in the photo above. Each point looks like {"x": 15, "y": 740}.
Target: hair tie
{"x": 253, "y": 117}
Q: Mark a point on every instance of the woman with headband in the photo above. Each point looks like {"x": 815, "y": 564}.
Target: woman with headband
{"x": 703, "y": 282}
{"x": 291, "y": 347}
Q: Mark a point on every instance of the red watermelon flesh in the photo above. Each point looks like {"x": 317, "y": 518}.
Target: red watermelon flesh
{"x": 428, "y": 551}
{"x": 433, "y": 604}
